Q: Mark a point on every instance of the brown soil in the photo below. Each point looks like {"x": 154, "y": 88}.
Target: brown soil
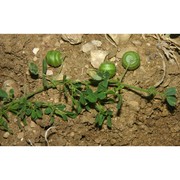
{"x": 141, "y": 122}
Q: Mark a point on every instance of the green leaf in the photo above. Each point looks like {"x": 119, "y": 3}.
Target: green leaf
{"x": 101, "y": 95}
{"x": 103, "y": 86}
{"x": 28, "y": 112}
{"x": 52, "y": 120}
{"x": 87, "y": 108}
{"x": 14, "y": 107}
{"x": 33, "y": 115}
{"x": 64, "y": 117}
{"x": 48, "y": 111}
{"x": 79, "y": 109}
{"x": 38, "y": 104}
{"x": 71, "y": 114}
{"x": 119, "y": 104}
{"x": 11, "y": 93}
{"x": 91, "y": 97}
{"x": 61, "y": 106}
{"x": 170, "y": 91}
{"x": 44, "y": 65}
{"x": 109, "y": 123}
{"x": 4, "y": 124}
{"x": 101, "y": 120}
{"x": 82, "y": 99}
{"x": 3, "y": 94}
{"x": 172, "y": 100}
{"x": 33, "y": 68}
{"x": 39, "y": 113}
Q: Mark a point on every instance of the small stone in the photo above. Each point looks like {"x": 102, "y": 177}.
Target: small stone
{"x": 35, "y": 58}
{"x": 20, "y": 136}
{"x": 86, "y": 48}
{"x": 49, "y": 72}
{"x": 97, "y": 43}
{"x": 35, "y": 50}
{"x": 137, "y": 43}
{"x": 72, "y": 134}
{"x": 113, "y": 141}
{"x": 98, "y": 140}
{"x": 98, "y": 57}
{"x": 134, "y": 105}
{"x": 72, "y": 38}
{"x": 6, "y": 135}
{"x": 33, "y": 124}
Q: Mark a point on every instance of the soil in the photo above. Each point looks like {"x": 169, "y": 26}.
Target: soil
{"x": 142, "y": 122}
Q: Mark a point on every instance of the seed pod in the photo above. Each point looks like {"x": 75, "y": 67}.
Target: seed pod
{"x": 54, "y": 58}
{"x": 131, "y": 60}
{"x": 108, "y": 67}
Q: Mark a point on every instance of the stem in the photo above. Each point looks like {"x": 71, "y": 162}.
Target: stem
{"x": 123, "y": 75}
{"x": 135, "y": 88}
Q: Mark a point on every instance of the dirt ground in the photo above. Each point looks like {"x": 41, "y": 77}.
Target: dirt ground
{"x": 141, "y": 122}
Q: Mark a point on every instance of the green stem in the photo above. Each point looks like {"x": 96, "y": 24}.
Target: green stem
{"x": 135, "y": 88}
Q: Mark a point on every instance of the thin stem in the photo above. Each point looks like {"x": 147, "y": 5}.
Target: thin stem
{"x": 135, "y": 88}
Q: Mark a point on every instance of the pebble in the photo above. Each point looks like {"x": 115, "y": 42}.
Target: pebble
{"x": 20, "y": 135}
{"x": 86, "y": 48}
{"x": 97, "y": 43}
{"x": 49, "y": 72}
{"x": 134, "y": 105}
{"x": 72, "y": 38}
{"x": 97, "y": 57}
{"x": 33, "y": 124}
{"x": 72, "y": 134}
{"x": 6, "y": 135}
{"x": 137, "y": 43}
{"x": 35, "y": 58}
{"x": 35, "y": 50}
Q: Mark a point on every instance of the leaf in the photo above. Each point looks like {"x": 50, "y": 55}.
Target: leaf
{"x": 101, "y": 95}
{"x": 103, "y": 86}
{"x": 11, "y": 93}
{"x": 3, "y": 94}
{"x": 33, "y": 68}
{"x": 109, "y": 123}
{"x": 44, "y": 65}
{"x": 48, "y": 111}
{"x": 64, "y": 117}
{"x": 28, "y": 112}
{"x": 170, "y": 91}
{"x": 101, "y": 120}
{"x": 82, "y": 99}
{"x": 61, "y": 106}
{"x": 38, "y": 104}
{"x": 52, "y": 120}
{"x": 4, "y": 124}
{"x": 71, "y": 114}
{"x": 33, "y": 115}
{"x": 79, "y": 109}
{"x": 91, "y": 97}
{"x": 39, "y": 113}
{"x": 172, "y": 100}
{"x": 119, "y": 104}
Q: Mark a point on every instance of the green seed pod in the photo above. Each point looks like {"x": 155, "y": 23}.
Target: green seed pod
{"x": 131, "y": 60}
{"x": 108, "y": 67}
{"x": 54, "y": 58}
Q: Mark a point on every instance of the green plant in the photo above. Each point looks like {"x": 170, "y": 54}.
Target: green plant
{"x": 131, "y": 60}
{"x": 96, "y": 93}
